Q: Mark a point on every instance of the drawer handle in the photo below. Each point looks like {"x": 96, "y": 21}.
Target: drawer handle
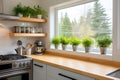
{"x": 66, "y": 76}
{"x": 38, "y": 65}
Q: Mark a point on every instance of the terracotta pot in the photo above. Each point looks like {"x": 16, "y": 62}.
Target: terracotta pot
{"x": 103, "y": 50}
{"x": 74, "y": 48}
{"x": 63, "y": 47}
{"x": 87, "y": 49}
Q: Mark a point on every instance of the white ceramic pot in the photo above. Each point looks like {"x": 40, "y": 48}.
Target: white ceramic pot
{"x": 39, "y": 16}
{"x": 20, "y": 15}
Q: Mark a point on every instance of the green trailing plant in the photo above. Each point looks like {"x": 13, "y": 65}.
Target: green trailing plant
{"x": 87, "y": 42}
{"x": 74, "y": 41}
{"x": 28, "y": 11}
{"x": 104, "y": 41}
{"x": 64, "y": 40}
{"x": 56, "y": 41}
{"x": 18, "y": 10}
{"x": 39, "y": 10}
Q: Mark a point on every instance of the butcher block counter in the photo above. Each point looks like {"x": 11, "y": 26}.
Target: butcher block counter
{"x": 80, "y": 66}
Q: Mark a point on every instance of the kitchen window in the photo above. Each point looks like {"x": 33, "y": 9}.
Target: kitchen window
{"x": 84, "y": 18}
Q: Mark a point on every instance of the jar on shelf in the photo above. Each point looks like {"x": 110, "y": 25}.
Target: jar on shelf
{"x": 16, "y": 28}
{"x": 22, "y": 29}
{"x": 19, "y": 29}
{"x": 27, "y": 29}
{"x": 32, "y": 29}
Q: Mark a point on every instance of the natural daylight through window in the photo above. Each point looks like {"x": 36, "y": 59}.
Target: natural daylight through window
{"x": 92, "y": 19}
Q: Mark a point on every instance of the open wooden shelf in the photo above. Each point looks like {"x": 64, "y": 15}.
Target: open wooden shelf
{"x": 27, "y": 34}
{"x": 25, "y": 19}
{"x": 32, "y": 20}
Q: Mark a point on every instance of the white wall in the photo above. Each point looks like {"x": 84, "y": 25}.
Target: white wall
{"x": 10, "y": 4}
{"x": 7, "y": 43}
{"x": 47, "y": 3}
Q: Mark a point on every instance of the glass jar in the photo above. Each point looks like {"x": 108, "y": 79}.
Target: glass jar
{"x": 32, "y": 29}
{"x": 27, "y": 29}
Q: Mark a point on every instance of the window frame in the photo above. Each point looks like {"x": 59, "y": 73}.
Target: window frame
{"x": 115, "y": 28}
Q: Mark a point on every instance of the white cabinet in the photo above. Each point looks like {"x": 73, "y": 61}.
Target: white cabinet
{"x": 39, "y": 71}
{"x": 60, "y": 74}
{"x": 50, "y": 78}
{"x": 46, "y": 72}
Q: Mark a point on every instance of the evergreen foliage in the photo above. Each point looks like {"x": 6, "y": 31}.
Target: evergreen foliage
{"x": 65, "y": 28}
{"x": 100, "y": 21}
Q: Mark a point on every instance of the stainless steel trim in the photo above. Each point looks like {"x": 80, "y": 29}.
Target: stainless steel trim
{"x": 7, "y": 16}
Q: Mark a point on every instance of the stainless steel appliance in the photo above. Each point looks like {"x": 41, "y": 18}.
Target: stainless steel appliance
{"x": 39, "y": 49}
{"x": 15, "y": 67}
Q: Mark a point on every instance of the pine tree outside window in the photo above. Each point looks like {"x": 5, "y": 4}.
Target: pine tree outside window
{"x": 91, "y": 19}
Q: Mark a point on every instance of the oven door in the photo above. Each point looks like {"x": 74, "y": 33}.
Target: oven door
{"x": 17, "y": 75}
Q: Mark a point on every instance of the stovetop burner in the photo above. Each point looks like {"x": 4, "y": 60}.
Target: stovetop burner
{"x": 11, "y": 57}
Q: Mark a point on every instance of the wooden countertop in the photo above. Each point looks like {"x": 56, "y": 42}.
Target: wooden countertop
{"x": 91, "y": 69}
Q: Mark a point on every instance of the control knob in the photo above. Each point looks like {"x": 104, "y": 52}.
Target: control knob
{"x": 20, "y": 64}
{"x": 15, "y": 65}
{"x": 28, "y": 64}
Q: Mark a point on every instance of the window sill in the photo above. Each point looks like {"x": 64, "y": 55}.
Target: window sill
{"x": 91, "y": 55}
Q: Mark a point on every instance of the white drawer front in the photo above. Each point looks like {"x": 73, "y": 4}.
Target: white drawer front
{"x": 41, "y": 66}
{"x": 39, "y": 71}
{"x": 60, "y": 74}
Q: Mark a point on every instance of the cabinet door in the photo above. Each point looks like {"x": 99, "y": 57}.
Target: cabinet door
{"x": 51, "y": 78}
{"x": 61, "y": 74}
{"x": 39, "y": 71}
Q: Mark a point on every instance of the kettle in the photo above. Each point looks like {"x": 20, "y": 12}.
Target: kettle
{"x": 39, "y": 49}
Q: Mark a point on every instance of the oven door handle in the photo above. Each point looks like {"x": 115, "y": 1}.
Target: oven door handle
{"x": 38, "y": 65}
{"x": 12, "y": 73}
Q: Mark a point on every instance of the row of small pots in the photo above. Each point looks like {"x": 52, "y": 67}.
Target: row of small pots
{"x": 87, "y": 49}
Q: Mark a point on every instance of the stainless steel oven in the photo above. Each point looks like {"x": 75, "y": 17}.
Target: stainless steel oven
{"x": 16, "y": 75}
{"x": 18, "y": 69}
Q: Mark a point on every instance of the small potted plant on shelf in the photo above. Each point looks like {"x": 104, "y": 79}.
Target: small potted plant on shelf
{"x": 18, "y": 10}
{"x": 74, "y": 42}
{"x": 64, "y": 41}
{"x": 87, "y": 42}
{"x": 40, "y": 12}
{"x": 28, "y": 11}
{"x": 23, "y": 11}
{"x": 56, "y": 42}
{"x": 103, "y": 42}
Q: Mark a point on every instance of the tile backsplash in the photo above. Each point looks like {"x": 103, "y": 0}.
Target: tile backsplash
{"x": 7, "y": 43}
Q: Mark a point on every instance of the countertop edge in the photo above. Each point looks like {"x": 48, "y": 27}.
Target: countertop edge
{"x": 76, "y": 71}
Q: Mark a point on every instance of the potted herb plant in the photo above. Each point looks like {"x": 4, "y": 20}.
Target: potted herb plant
{"x": 74, "y": 42}
{"x": 87, "y": 42}
{"x": 64, "y": 41}
{"x": 40, "y": 12}
{"x": 28, "y": 11}
{"x": 18, "y": 10}
{"x": 23, "y": 11}
{"x": 56, "y": 42}
{"x": 103, "y": 42}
